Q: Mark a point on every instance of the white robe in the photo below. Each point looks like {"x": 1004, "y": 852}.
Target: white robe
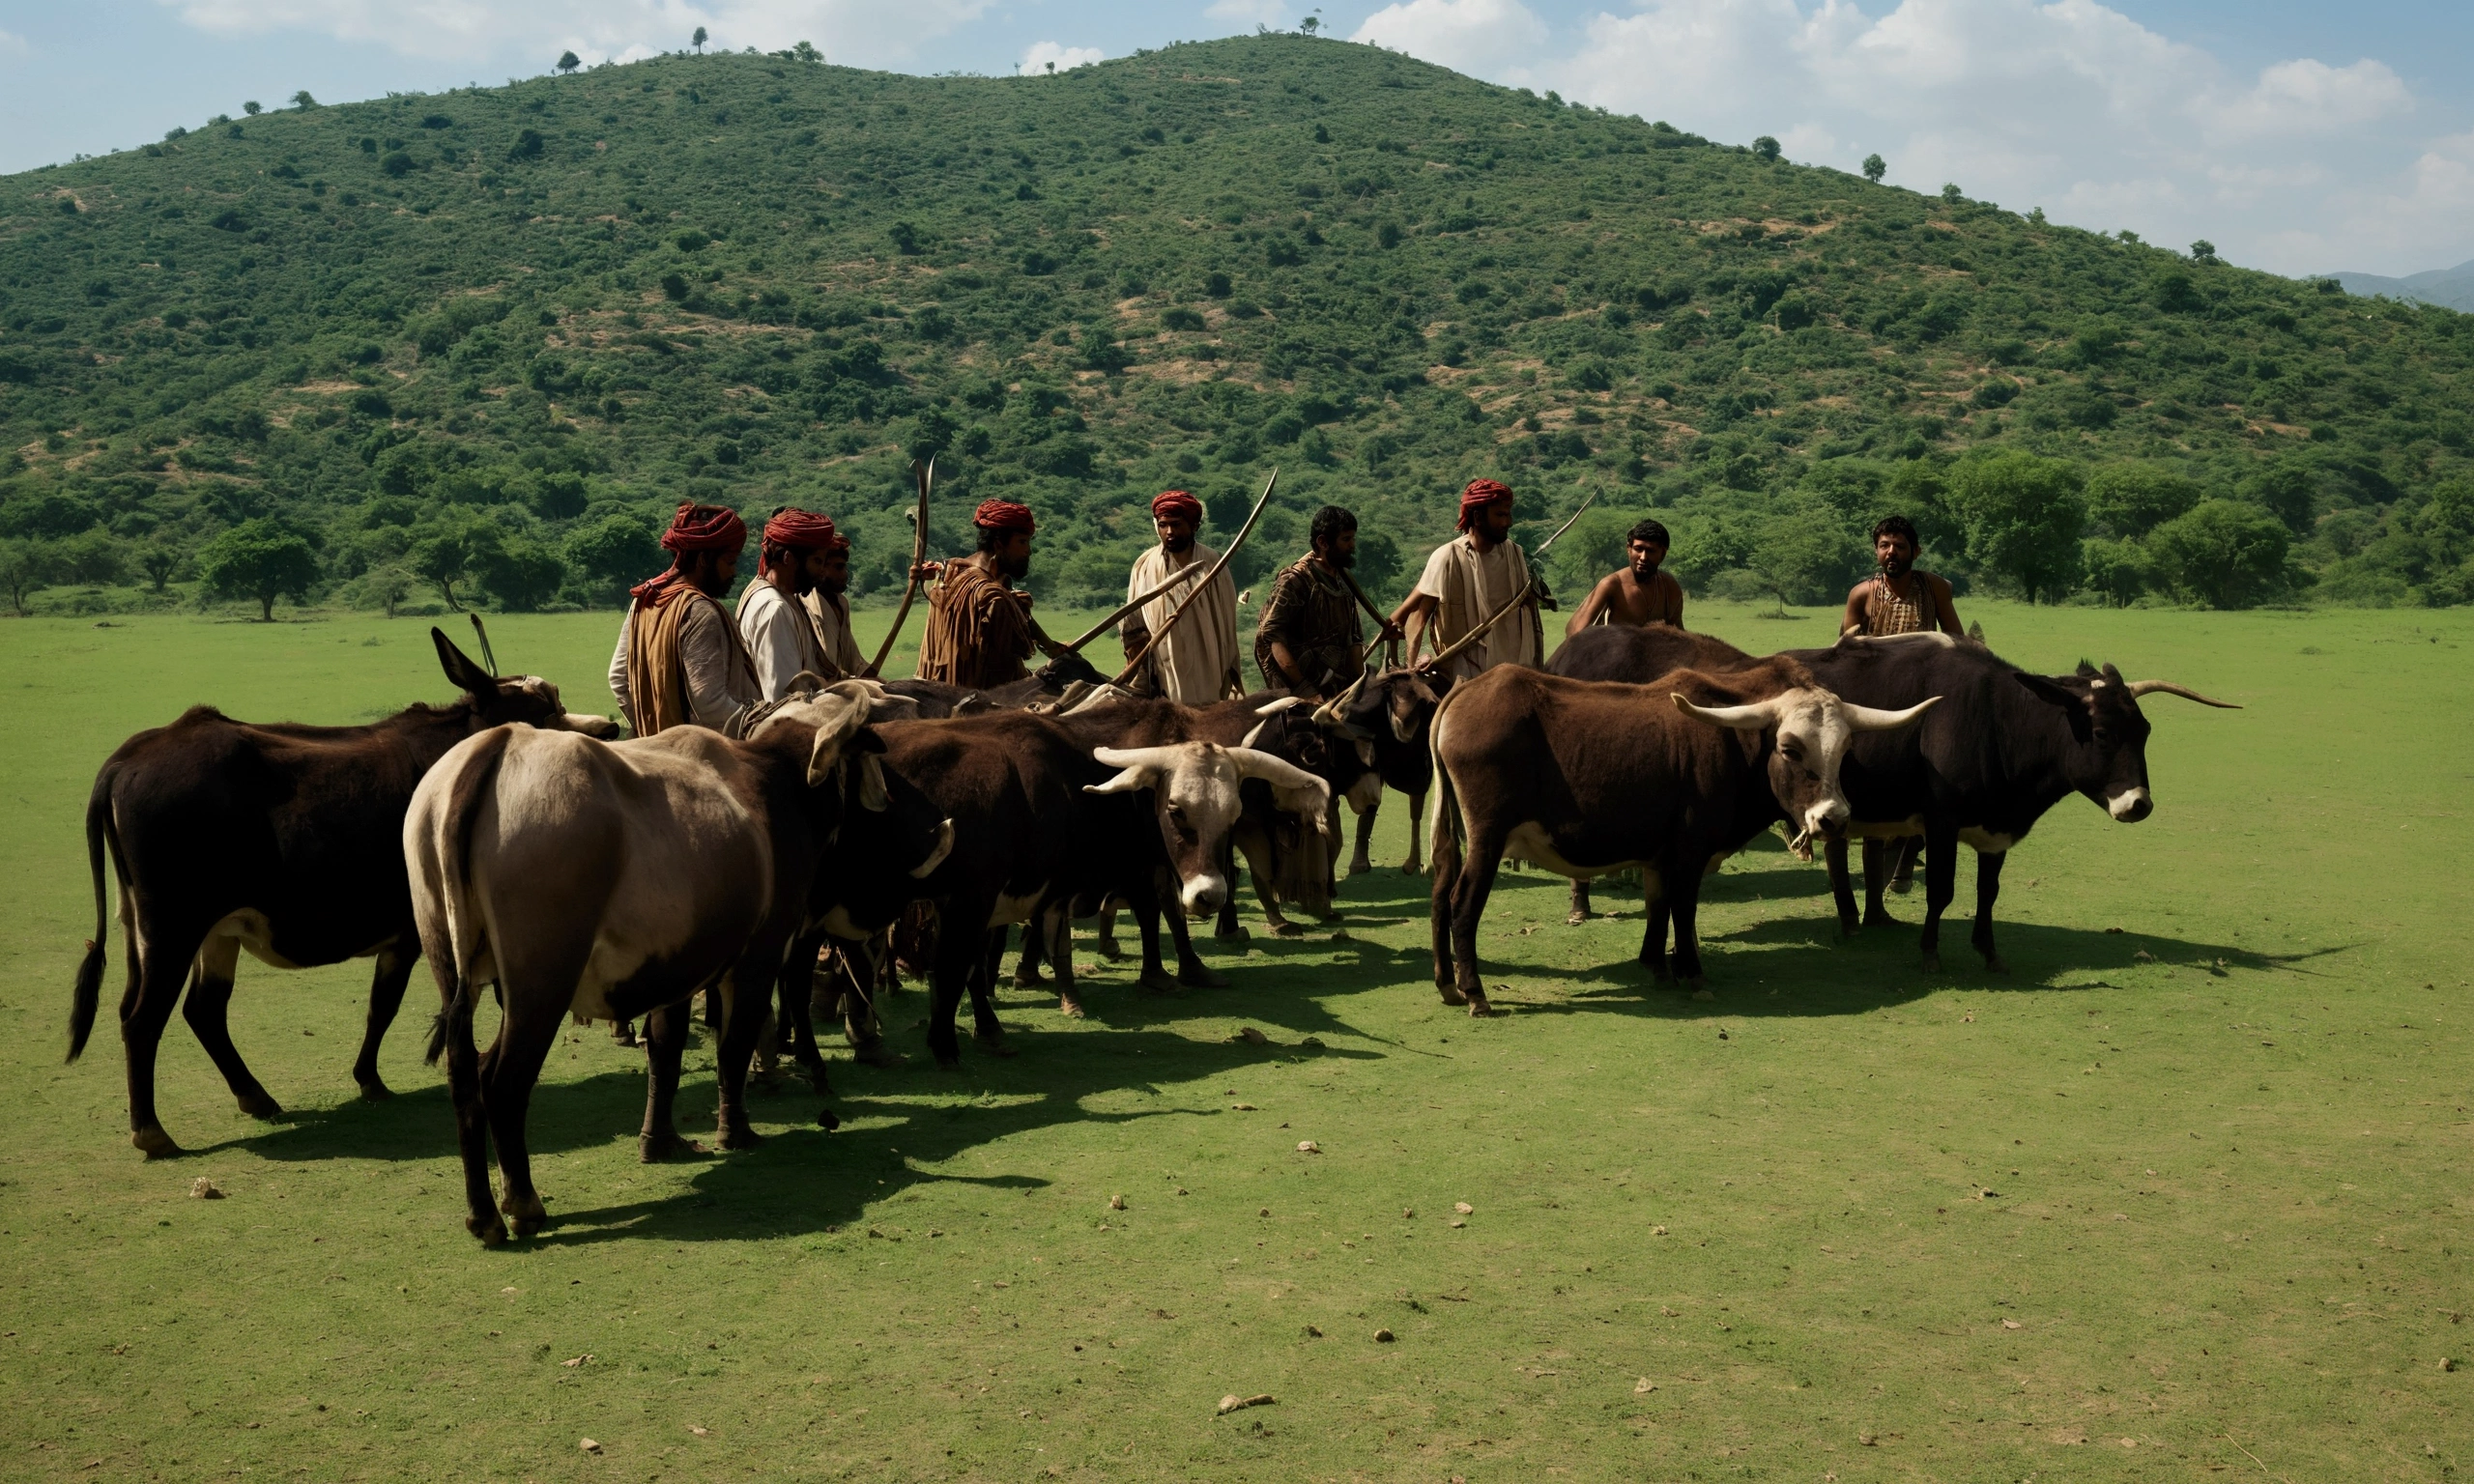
{"x": 779, "y": 638}
{"x": 1195, "y": 664}
{"x": 1468, "y": 588}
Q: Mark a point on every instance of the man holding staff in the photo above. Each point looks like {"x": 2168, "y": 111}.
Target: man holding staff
{"x": 679, "y": 661}
{"x": 979, "y": 629}
{"x": 1309, "y": 643}
{"x": 1640, "y": 594}
{"x": 1196, "y": 663}
{"x": 1467, "y": 580}
{"x": 774, "y": 620}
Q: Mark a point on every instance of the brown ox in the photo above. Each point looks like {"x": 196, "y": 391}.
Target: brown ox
{"x": 1583, "y": 778}
{"x": 283, "y": 840}
{"x": 609, "y": 881}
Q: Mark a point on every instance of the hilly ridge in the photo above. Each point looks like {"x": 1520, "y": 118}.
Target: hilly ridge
{"x": 474, "y": 345}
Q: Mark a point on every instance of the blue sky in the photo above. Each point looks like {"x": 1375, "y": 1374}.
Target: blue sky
{"x": 2297, "y": 137}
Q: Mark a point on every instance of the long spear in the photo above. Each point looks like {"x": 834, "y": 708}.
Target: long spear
{"x": 1181, "y": 574}
{"x": 1517, "y": 599}
{"x": 1243, "y": 531}
{"x": 918, "y": 554}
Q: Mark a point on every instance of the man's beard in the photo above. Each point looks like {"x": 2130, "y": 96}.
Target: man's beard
{"x": 1643, "y": 571}
{"x": 1015, "y": 567}
{"x": 1342, "y": 558}
{"x": 1176, "y": 545}
{"x": 1895, "y": 567}
{"x": 833, "y": 586}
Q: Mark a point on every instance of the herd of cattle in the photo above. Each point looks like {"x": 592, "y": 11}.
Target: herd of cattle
{"x": 517, "y": 847}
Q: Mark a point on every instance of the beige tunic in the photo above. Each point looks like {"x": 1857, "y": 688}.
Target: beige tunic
{"x": 833, "y": 617}
{"x": 679, "y": 661}
{"x": 780, "y": 637}
{"x": 1467, "y": 587}
{"x": 1196, "y": 662}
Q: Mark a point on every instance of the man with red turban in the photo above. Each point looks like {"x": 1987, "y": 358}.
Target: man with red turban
{"x": 800, "y": 556}
{"x": 979, "y": 629}
{"x": 1196, "y": 663}
{"x": 1467, "y": 580}
{"x": 679, "y": 661}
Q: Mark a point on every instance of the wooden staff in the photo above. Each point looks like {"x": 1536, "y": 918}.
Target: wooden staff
{"x": 918, "y": 554}
{"x": 1184, "y": 574}
{"x": 1243, "y": 531}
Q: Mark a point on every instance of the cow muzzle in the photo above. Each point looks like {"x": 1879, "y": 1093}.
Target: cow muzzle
{"x": 937, "y": 857}
{"x": 1205, "y": 895}
{"x": 2131, "y": 805}
{"x": 1823, "y": 821}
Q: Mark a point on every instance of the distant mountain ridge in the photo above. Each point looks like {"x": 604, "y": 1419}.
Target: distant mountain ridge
{"x": 2451, "y": 288}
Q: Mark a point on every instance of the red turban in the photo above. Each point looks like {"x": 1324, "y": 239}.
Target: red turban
{"x": 1002, "y": 515}
{"x": 1480, "y": 493}
{"x": 1176, "y": 503}
{"x": 704, "y": 528}
{"x": 804, "y": 531}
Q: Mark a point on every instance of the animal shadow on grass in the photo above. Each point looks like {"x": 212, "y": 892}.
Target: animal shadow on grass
{"x": 805, "y": 1181}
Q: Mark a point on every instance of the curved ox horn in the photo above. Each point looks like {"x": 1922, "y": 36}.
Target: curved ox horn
{"x": 1752, "y": 718}
{"x": 1293, "y": 789}
{"x": 1872, "y": 719}
{"x": 2147, "y": 687}
{"x": 1328, "y": 714}
{"x": 1135, "y": 766}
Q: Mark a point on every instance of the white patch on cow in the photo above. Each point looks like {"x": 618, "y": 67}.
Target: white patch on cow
{"x": 1365, "y": 793}
{"x": 1887, "y": 829}
{"x": 249, "y": 928}
{"x": 2123, "y": 805}
{"x": 1985, "y": 841}
{"x": 1204, "y": 893}
{"x": 937, "y": 857}
{"x": 1010, "y": 910}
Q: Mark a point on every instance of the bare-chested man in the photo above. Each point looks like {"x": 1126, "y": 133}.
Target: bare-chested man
{"x": 1898, "y": 599}
{"x": 1638, "y": 595}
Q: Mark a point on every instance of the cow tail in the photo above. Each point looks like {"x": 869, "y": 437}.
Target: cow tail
{"x": 87, "y": 995}
{"x": 465, "y": 928}
{"x": 1443, "y": 817}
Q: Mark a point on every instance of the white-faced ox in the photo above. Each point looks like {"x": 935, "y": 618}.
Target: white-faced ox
{"x": 613, "y": 881}
{"x": 1584, "y": 777}
{"x": 282, "y": 840}
{"x": 2005, "y": 746}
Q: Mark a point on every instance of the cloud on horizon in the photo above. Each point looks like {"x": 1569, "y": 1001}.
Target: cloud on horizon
{"x": 2305, "y": 167}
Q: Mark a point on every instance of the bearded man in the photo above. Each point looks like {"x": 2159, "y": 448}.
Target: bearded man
{"x": 828, "y": 606}
{"x": 1309, "y": 643}
{"x": 679, "y": 661}
{"x": 780, "y": 632}
{"x": 1640, "y": 594}
{"x": 1196, "y": 663}
{"x": 979, "y": 629}
{"x": 1899, "y": 599}
{"x": 1467, "y": 580}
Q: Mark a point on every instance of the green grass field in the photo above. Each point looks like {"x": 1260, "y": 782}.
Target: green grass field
{"x": 2176, "y": 1200}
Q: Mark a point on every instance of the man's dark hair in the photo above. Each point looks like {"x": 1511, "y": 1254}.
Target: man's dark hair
{"x": 1647, "y": 530}
{"x": 993, "y": 538}
{"x": 1329, "y": 522}
{"x": 1897, "y": 526}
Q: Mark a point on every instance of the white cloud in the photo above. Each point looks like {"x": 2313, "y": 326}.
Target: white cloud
{"x": 1471, "y": 36}
{"x": 1049, "y": 57}
{"x": 1262, "y": 12}
{"x": 860, "y": 32}
{"x": 2066, "y": 103}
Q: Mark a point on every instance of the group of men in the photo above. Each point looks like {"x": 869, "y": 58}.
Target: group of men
{"x": 681, "y": 659}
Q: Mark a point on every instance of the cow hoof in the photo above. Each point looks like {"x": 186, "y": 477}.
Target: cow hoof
{"x": 826, "y": 1121}
{"x": 1028, "y": 978}
{"x": 259, "y": 1105}
{"x": 1360, "y": 866}
{"x": 375, "y": 1090}
{"x": 155, "y": 1144}
{"x": 1931, "y": 961}
{"x": 491, "y": 1230}
{"x": 1066, "y": 1005}
{"x": 1452, "y": 995}
{"x": 1903, "y": 885}
{"x": 740, "y": 1137}
{"x": 1197, "y": 976}
{"x": 655, "y": 1149}
{"x": 1235, "y": 934}
{"x": 1575, "y": 917}
{"x": 1287, "y": 929}
{"x": 623, "y": 1034}
{"x": 1107, "y": 948}
{"x": 1995, "y": 963}
{"x": 1880, "y": 919}
{"x": 1479, "y": 1009}
{"x": 877, "y": 1053}
{"x": 1158, "y": 982}
{"x": 525, "y": 1221}
{"x": 993, "y": 1043}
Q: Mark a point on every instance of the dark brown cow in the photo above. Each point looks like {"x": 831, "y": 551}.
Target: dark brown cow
{"x": 1389, "y": 712}
{"x": 604, "y": 880}
{"x": 283, "y": 840}
{"x": 1583, "y": 778}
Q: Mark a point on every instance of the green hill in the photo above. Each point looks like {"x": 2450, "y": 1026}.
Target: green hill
{"x": 488, "y": 337}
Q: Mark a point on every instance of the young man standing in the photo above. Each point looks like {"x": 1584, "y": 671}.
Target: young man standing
{"x": 780, "y": 632}
{"x": 1899, "y": 599}
{"x": 1639, "y": 595}
{"x": 1309, "y": 643}
{"x": 1467, "y": 580}
{"x": 679, "y": 661}
{"x": 1196, "y": 663}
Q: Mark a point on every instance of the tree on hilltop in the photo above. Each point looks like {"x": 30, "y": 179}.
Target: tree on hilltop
{"x": 253, "y": 108}
{"x": 1875, "y": 167}
{"x": 302, "y": 99}
{"x": 568, "y": 62}
{"x": 699, "y": 40}
{"x": 1766, "y": 150}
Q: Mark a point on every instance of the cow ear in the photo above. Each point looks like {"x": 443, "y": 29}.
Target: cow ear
{"x": 839, "y": 721}
{"x": 471, "y": 678}
{"x": 872, "y": 796}
{"x": 2047, "y": 689}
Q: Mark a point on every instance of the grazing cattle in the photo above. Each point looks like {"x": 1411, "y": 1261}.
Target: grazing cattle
{"x": 279, "y": 838}
{"x": 1042, "y": 818}
{"x": 614, "y": 880}
{"x": 1389, "y": 710}
{"x": 1583, "y": 778}
{"x": 2005, "y": 746}
{"x": 1635, "y": 654}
